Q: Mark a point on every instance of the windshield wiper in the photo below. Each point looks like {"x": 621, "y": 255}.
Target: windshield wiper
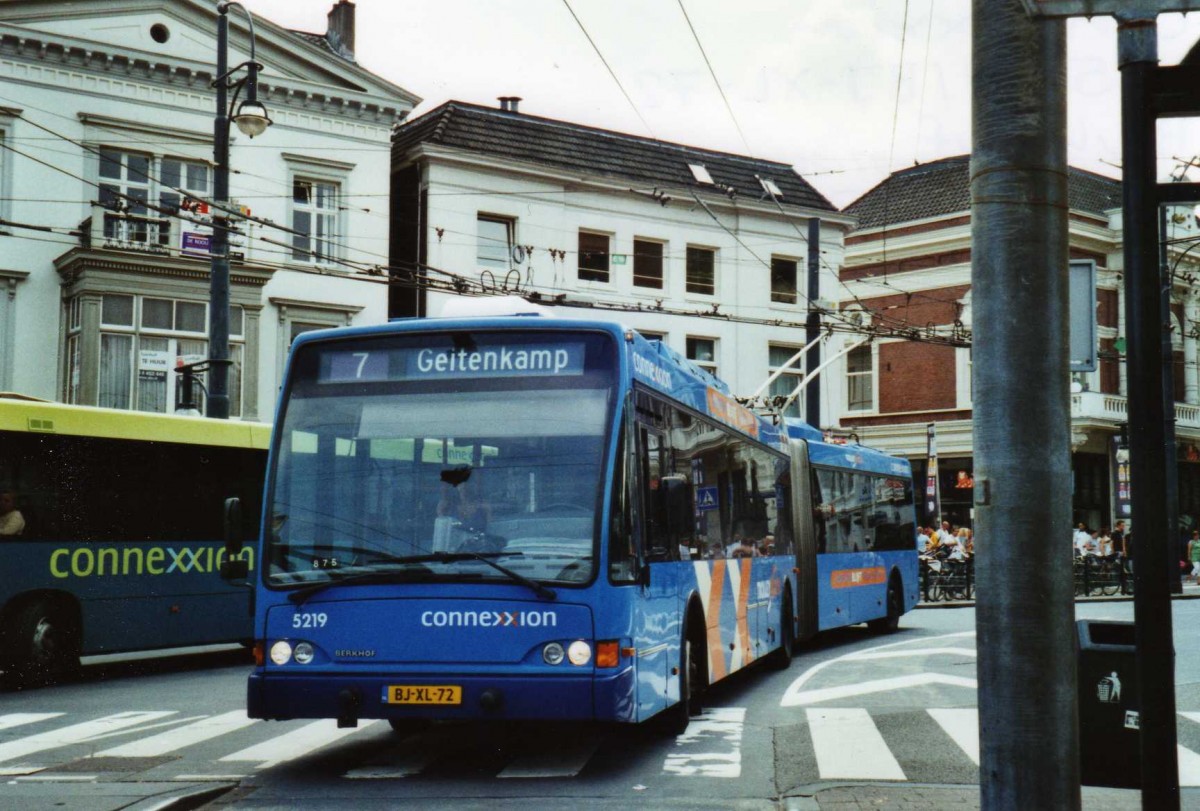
{"x": 302, "y": 594}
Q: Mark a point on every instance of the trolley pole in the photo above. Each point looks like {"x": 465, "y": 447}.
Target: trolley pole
{"x": 1029, "y": 739}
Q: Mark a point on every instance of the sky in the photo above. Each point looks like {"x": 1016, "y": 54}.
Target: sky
{"x": 845, "y": 92}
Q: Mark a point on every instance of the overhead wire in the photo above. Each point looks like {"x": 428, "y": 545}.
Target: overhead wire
{"x": 608, "y": 67}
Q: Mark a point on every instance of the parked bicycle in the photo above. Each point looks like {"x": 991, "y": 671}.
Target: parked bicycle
{"x": 947, "y": 579}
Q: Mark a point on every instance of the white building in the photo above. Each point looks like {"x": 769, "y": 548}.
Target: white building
{"x": 706, "y": 250}
{"x": 106, "y": 103}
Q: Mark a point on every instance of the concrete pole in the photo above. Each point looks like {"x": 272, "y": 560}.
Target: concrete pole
{"x": 1029, "y": 731}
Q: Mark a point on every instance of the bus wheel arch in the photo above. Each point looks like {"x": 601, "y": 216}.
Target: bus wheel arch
{"x": 693, "y": 669}
{"x": 43, "y": 638}
{"x": 894, "y": 601}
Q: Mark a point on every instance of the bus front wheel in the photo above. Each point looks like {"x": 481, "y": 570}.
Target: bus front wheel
{"x": 45, "y": 644}
{"x": 691, "y": 673}
{"x": 895, "y": 607}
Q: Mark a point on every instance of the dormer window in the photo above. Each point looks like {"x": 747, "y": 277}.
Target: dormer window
{"x": 700, "y": 173}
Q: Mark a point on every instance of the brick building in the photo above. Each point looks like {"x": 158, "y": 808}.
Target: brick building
{"x": 908, "y": 263}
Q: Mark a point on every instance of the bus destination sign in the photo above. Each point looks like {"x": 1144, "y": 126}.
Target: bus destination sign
{"x": 452, "y": 363}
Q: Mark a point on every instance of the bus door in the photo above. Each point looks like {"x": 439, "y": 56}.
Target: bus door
{"x": 807, "y": 533}
{"x": 657, "y": 620}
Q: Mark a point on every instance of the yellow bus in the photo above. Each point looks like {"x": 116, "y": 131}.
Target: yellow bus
{"x": 116, "y": 542}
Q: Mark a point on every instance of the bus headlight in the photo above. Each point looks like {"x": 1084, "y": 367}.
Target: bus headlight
{"x": 303, "y": 654}
{"x": 281, "y": 652}
{"x": 579, "y": 652}
{"x": 553, "y": 654}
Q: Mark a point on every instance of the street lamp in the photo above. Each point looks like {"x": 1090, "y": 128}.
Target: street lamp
{"x": 252, "y": 119}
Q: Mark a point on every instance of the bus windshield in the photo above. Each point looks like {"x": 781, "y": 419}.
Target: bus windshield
{"x": 428, "y": 458}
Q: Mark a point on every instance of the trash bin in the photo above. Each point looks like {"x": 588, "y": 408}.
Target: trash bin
{"x": 1109, "y": 739}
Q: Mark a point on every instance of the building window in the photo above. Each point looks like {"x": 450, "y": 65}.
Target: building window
{"x": 593, "y": 257}
{"x": 494, "y": 242}
{"x": 703, "y": 353}
{"x": 786, "y": 383}
{"x": 142, "y": 341}
{"x": 701, "y": 271}
{"x": 181, "y": 180}
{"x": 860, "y": 380}
{"x": 315, "y": 220}
{"x": 647, "y": 264}
{"x": 125, "y": 189}
{"x": 783, "y": 280}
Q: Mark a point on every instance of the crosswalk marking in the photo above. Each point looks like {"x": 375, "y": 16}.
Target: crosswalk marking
{"x": 202, "y": 730}
{"x": 17, "y": 719}
{"x": 846, "y": 743}
{"x": 76, "y": 733}
{"x": 567, "y": 760}
{"x": 1189, "y": 767}
{"x": 962, "y": 725}
{"x": 294, "y": 744}
{"x": 849, "y": 746}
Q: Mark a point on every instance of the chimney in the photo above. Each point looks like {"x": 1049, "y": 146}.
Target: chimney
{"x": 340, "y": 29}
{"x": 509, "y": 103}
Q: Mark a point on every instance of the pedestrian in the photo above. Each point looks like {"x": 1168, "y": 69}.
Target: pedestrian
{"x": 1193, "y": 555}
{"x": 11, "y": 520}
{"x": 922, "y": 540}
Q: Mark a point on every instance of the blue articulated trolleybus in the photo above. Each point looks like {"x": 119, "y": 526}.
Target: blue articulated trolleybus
{"x": 538, "y": 518}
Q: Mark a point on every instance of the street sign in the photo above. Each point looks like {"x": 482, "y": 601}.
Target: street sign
{"x": 1082, "y": 310}
{"x": 1093, "y": 8}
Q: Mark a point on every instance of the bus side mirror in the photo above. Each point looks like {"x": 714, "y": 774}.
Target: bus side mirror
{"x": 233, "y": 567}
{"x": 679, "y": 506}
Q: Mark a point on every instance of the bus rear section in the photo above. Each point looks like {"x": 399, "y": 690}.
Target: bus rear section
{"x": 431, "y": 539}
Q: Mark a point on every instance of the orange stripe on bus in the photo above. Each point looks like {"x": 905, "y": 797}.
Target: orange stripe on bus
{"x": 716, "y": 650}
{"x": 744, "y": 621}
{"x": 849, "y": 578}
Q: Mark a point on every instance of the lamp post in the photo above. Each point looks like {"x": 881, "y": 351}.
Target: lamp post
{"x": 251, "y": 118}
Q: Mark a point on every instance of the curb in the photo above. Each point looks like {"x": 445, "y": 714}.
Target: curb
{"x": 185, "y": 799}
{"x": 1116, "y": 598}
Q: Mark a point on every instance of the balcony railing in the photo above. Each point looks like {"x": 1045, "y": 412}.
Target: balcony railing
{"x": 1094, "y": 405}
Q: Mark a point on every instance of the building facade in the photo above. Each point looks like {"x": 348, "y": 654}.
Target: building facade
{"x": 908, "y": 262}
{"x": 704, "y": 250}
{"x": 106, "y": 168}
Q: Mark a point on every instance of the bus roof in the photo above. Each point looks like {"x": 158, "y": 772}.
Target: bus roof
{"x": 842, "y": 454}
{"x": 26, "y": 415}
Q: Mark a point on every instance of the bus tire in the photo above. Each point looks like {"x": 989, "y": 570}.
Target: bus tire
{"x": 781, "y": 657}
{"x": 45, "y": 644}
{"x": 891, "y": 621}
{"x": 691, "y": 675}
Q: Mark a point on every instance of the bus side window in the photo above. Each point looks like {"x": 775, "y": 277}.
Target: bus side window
{"x": 622, "y": 542}
{"x": 654, "y": 502}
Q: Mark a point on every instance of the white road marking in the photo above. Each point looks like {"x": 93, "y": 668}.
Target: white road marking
{"x": 567, "y": 760}
{"x": 1189, "y": 767}
{"x": 17, "y": 719}
{"x": 849, "y": 747}
{"x": 962, "y": 725}
{"x": 875, "y": 652}
{"x": 77, "y": 733}
{"x": 862, "y": 688}
{"x": 201, "y": 730}
{"x": 294, "y": 744}
{"x": 717, "y": 730}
